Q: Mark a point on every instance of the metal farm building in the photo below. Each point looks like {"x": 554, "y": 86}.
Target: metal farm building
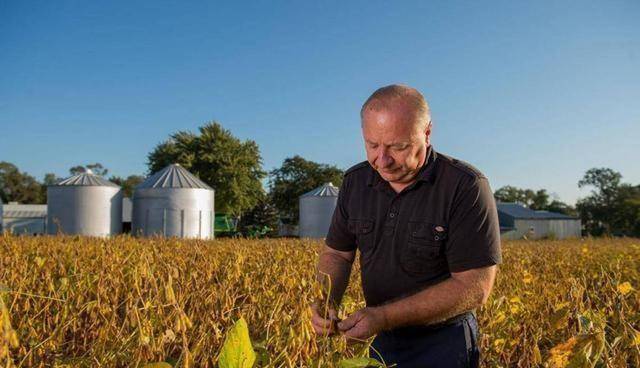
{"x": 84, "y": 204}
{"x": 173, "y": 202}
{"x": 316, "y": 209}
{"x": 517, "y": 222}
{"x": 23, "y": 219}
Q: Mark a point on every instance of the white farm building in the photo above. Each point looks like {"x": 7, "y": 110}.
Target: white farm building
{"x": 23, "y": 219}
{"x": 517, "y": 222}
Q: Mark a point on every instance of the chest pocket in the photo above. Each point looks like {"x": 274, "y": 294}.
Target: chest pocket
{"x": 424, "y": 251}
{"x": 363, "y": 230}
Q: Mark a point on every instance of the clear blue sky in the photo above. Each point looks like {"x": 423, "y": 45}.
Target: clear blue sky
{"x": 532, "y": 93}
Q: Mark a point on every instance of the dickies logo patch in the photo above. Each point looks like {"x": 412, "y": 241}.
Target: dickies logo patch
{"x": 439, "y": 232}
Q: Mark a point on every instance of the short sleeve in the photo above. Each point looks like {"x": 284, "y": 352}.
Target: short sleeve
{"x": 339, "y": 237}
{"x": 474, "y": 230}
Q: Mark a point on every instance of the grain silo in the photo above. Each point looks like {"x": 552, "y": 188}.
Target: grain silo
{"x": 173, "y": 202}
{"x": 84, "y": 204}
{"x": 316, "y": 209}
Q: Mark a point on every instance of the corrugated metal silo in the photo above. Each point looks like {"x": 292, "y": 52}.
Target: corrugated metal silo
{"x": 84, "y": 204}
{"x": 316, "y": 209}
{"x": 173, "y": 202}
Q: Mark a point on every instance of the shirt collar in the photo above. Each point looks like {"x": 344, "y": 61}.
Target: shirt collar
{"x": 425, "y": 174}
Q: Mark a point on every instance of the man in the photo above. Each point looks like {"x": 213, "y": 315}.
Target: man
{"x": 427, "y": 230}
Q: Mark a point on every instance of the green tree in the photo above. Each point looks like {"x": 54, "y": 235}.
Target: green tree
{"x": 295, "y": 177}
{"x": 261, "y": 220}
{"x": 231, "y": 166}
{"x": 539, "y": 200}
{"x": 561, "y": 207}
{"x": 511, "y": 194}
{"x": 534, "y": 199}
{"x": 49, "y": 179}
{"x": 628, "y": 219}
{"x": 96, "y": 168}
{"x": 128, "y": 184}
{"x": 613, "y": 208}
{"x": 18, "y": 186}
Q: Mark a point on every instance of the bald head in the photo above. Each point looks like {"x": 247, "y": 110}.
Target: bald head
{"x": 396, "y": 127}
{"x": 397, "y": 96}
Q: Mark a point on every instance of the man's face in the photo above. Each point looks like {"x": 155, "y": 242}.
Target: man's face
{"x": 396, "y": 144}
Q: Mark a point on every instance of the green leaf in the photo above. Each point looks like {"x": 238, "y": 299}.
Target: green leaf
{"x": 262, "y": 353}
{"x": 362, "y": 362}
{"x": 587, "y": 352}
{"x": 237, "y": 351}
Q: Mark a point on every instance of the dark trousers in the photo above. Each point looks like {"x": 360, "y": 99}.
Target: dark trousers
{"x": 451, "y": 345}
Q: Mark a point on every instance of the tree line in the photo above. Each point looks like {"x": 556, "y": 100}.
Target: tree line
{"x": 234, "y": 169}
{"x": 18, "y": 186}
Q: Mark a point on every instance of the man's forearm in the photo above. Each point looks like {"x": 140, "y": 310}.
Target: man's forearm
{"x": 432, "y": 305}
{"x": 333, "y": 274}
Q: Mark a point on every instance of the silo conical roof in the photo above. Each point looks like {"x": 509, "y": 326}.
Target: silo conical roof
{"x": 86, "y": 179}
{"x": 325, "y": 190}
{"x": 173, "y": 176}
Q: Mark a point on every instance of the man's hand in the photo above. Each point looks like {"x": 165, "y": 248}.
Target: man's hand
{"x": 324, "y": 324}
{"x": 363, "y": 324}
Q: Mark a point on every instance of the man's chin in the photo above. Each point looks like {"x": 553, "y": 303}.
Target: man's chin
{"x": 392, "y": 176}
{"x": 397, "y": 176}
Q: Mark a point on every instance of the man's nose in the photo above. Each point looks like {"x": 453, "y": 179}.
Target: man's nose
{"x": 385, "y": 160}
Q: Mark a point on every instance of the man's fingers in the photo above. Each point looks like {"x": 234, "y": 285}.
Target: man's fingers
{"x": 331, "y": 314}
{"x": 323, "y": 312}
{"x": 321, "y": 322}
{"x": 353, "y": 337}
{"x": 325, "y": 326}
{"x": 349, "y": 322}
{"x": 321, "y": 330}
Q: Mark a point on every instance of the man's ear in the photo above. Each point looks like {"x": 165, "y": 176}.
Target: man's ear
{"x": 427, "y": 133}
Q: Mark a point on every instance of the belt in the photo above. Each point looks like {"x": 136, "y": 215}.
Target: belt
{"x": 450, "y": 321}
{"x": 420, "y": 329}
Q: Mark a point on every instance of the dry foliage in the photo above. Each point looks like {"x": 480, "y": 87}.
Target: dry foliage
{"x": 123, "y": 301}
